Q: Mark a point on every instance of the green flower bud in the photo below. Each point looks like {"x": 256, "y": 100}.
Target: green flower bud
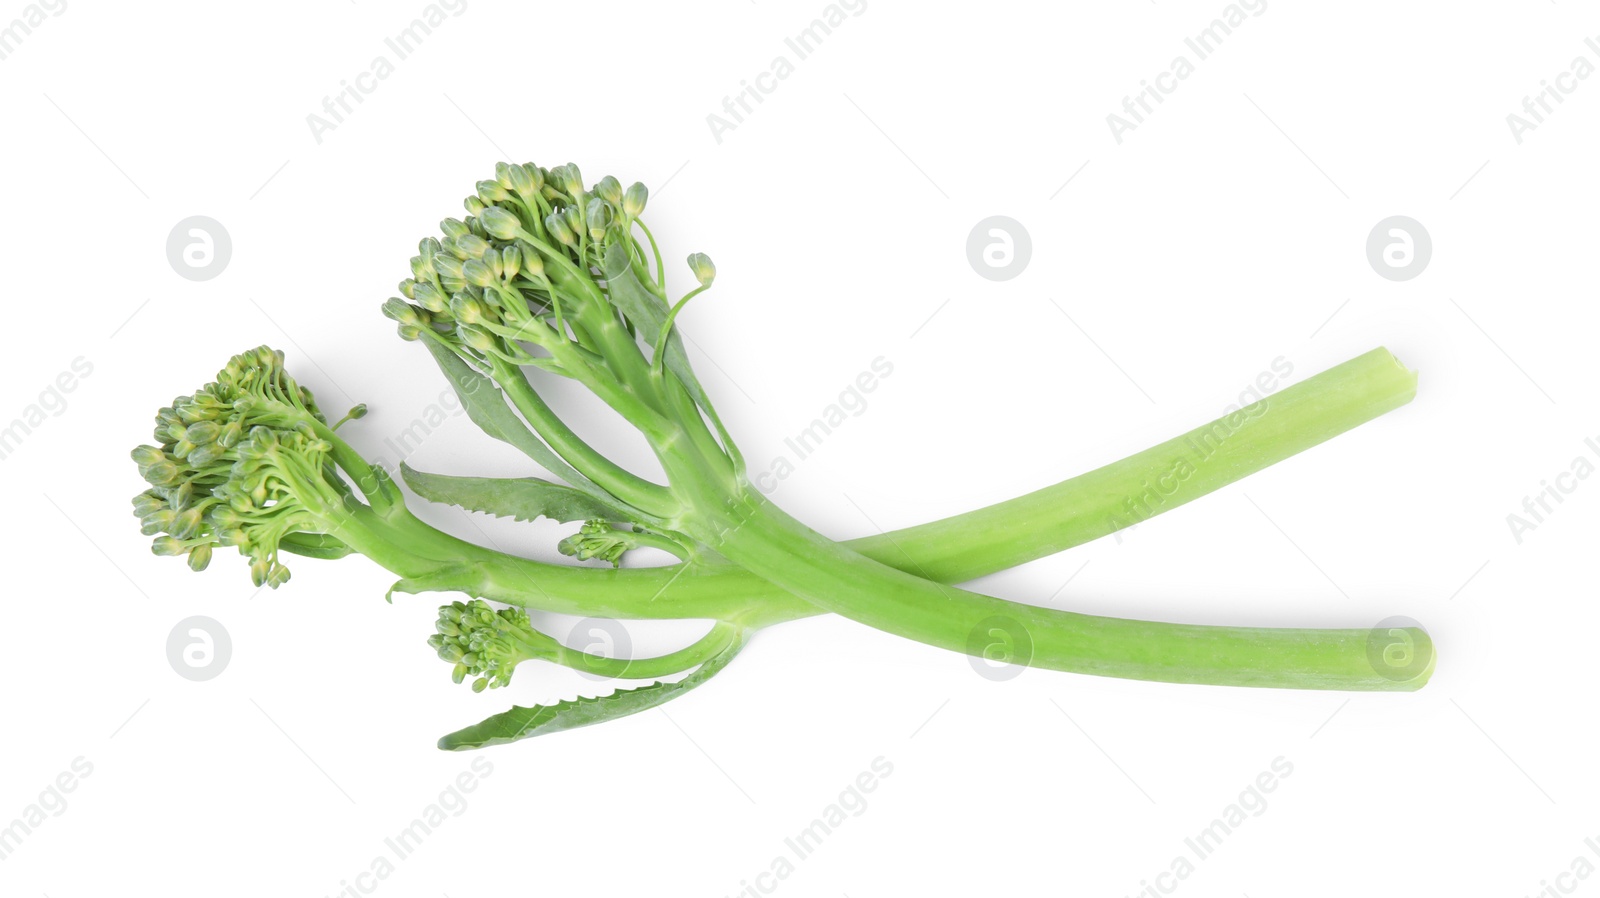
{"x": 477, "y": 273}
{"x": 556, "y": 224}
{"x": 448, "y": 265}
{"x": 430, "y": 298}
{"x": 598, "y": 214}
{"x": 199, "y": 557}
{"x": 633, "y": 201}
{"x": 466, "y": 309}
{"x": 571, "y": 181}
{"x": 478, "y": 339}
{"x": 277, "y": 576}
{"x": 399, "y": 310}
{"x": 205, "y": 454}
{"x": 502, "y": 174}
{"x": 609, "y": 189}
{"x": 144, "y": 456}
{"x": 501, "y": 223}
{"x": 458, "y": 673}
{"x": 704, "y": 271}
{"x": 473, "y": 205}
{"x": 408, "y": 288}
{"x": 491, "y": 192}
{"x": 510, "y": 261}
{"x": 428, "y": 247}
{"x": 162, "y": 473}
{"x": 532, "y": 262}
{"x": 203, "y": 432}
{"x": 187, "y": 524}
{"x": 453, "y": 228}
{"x": 521, "y": 179}
{"x": 409, "y": 333}
{"x": 167, "y": 546}
{"x": 158, "y": 521}
{"x": 471, "y": 246}
{"x": 147, "y": 503}
{"x": 181, "y": 495}
{"x": 480, "y": 684}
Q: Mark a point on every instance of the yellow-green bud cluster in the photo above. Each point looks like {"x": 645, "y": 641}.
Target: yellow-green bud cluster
{"x": 238, "y": 463}
{"x": 598, "y": 539}
{"x": 530, "y": 236}
{"x": 486, "y": 643}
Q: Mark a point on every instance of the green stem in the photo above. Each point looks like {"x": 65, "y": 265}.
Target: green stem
{"x": 649, "y": 497}
{"x": 1155, "y": 481}
{"x": 661, "y": 270}
{"x": 759, "y": 537}
{"x": 952, "y": 550}
{"x": 702, "y": 650}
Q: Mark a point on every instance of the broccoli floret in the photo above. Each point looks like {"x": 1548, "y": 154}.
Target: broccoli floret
{"x": 243, "y": 462}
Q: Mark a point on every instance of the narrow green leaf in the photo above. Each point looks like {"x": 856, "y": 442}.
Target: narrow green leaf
{"x": 520, "y": 498}
{"x": 524, "y": 723}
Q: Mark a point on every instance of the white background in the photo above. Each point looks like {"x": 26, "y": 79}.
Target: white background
{"x": 1225, "y": 232}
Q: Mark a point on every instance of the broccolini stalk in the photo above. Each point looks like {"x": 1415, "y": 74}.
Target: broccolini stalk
{"x": 198, "y": 462}
{"x": 548, "y": 275}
